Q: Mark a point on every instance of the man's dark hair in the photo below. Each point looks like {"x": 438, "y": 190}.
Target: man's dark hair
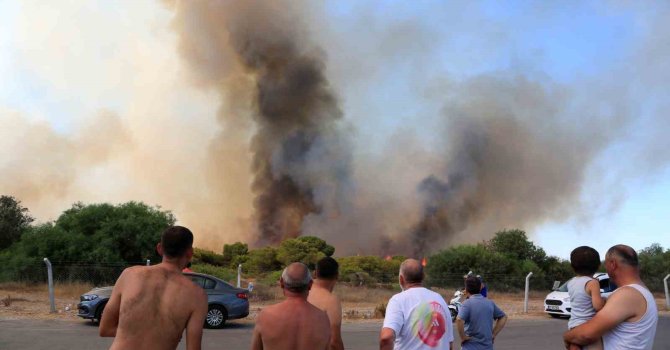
{"x": 473, "y": 285}
{"x": 625, "y": 254}
{"x": 585, "y": 261}
{"x": 327, "y": 269}
{"x": 176, "y": 240}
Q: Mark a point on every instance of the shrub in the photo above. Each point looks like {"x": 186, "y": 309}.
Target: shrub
{"x": 224, "y": 273}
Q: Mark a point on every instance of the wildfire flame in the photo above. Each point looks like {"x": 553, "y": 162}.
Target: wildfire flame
{"x": 423, "y": 262}
{"x": 387, "y": 258}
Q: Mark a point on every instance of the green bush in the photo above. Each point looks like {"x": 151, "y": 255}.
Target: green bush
{"x": 224, "y": 273}
{"x": 202, "y": 256}
{"x": 271, "y": 278}
{"x": 261, "y": 261}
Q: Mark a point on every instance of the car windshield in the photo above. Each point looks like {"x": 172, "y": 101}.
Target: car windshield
{"x": 563, "y": 287}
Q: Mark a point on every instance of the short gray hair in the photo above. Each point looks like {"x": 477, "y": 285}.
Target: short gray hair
{"x": 412, "y": 271}
{"x": 299, "y": 282}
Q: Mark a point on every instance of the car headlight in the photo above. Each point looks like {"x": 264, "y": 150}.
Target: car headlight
{"x": 89, "y": 297}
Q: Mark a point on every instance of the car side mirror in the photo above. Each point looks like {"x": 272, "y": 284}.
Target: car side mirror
{"x": 556, "y": 285}
{"x": 602, "y": 290}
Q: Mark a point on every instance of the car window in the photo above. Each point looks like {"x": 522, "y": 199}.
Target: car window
{"x": 209, "y": 284}
{"x": 199, "y": 281}
{"x": 605, "y": 284}
{"x": 563, "y": 287}
{"x": 610, "y": 287}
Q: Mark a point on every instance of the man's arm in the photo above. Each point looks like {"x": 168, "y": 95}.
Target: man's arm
{"x": 335, "y": 317}
{"x": 593, "y": 289}
{"x": 500, "y": 324}
{"x": 386, "y": 339}
{"x": 617, "y": 310}
{"x": 256, "y": 340}
{"x": 501, "y": 320}
{"x": 460, "y": 326}
{"x": 110, "y": 318}
{"x": 196, "y": 321}
{"x": 393, "y": 322}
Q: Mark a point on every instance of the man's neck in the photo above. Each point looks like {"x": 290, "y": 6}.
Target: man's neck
{"x": 295, "y": 297}
{"x": 171, "y": 264}
{"x": 629, "y": 279}
{"x": 413, "y": 285}
{"x": 324, "y": 284}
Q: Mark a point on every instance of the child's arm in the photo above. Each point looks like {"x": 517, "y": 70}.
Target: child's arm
{"x": 593, "y": 289}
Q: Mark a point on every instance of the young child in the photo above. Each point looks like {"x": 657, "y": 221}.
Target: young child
{"x": 584, "y": 290}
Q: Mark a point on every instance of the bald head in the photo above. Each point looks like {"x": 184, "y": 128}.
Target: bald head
{"x": 624, "y": 255}
{"x": 296, "y": 278}
{"x": 411, "y": 271}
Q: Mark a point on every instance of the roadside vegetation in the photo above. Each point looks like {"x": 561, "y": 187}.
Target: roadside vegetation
{"x": 92, "y": 244}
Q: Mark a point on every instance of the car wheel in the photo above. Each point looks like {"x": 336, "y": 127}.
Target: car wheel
{"x": 216, "y": 317}
{"x": 453, "y": 315}
{"x": 98, "y": 312}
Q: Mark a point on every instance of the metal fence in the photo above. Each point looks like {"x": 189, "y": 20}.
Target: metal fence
{"x": 98, "y": 274}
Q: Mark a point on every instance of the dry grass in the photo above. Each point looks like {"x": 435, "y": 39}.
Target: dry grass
{"x": 66, "y": 290}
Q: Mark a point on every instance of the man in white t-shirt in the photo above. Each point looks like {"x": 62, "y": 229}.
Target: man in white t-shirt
{"x": 417, "y": 318}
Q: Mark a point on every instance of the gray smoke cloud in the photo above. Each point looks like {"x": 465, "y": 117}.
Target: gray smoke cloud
{"x": 437, "y": 156}
{"x": 299, "y": 159}
{"x": 515, "y": 150}
{"x": 514, "y": 155}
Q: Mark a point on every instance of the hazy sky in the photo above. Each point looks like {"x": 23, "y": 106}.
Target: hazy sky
{"x": 63, "y": 62}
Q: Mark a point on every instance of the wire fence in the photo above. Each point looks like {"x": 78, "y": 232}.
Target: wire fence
{"x": 101, "y": 274}
{"x": 98, "y": 274}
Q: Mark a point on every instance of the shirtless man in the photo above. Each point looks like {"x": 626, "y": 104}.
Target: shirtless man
{"x": 321, "y": 295}
{"x": 151, "y": 306}
{"x": 629, "y": 318}
{"x": 293, "y": 324}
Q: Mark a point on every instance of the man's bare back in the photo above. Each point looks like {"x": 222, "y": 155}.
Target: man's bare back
{"x": 153, "y": 305}
{"x": 323, "y": 299}
{"x": 293, "y": 324}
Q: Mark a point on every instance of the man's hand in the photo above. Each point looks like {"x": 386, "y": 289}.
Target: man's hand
{"x": 465, "y": 339}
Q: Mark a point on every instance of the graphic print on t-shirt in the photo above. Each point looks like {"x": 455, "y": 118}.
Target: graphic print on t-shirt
{"x": 429, "y": 323}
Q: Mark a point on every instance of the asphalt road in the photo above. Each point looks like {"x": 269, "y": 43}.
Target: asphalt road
{"x": 533, "y": 334}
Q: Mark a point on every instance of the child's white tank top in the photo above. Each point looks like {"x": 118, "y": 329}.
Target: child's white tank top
{"x": 580, "y": 302}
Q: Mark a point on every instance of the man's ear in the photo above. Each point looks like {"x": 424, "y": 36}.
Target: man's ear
{"x": 159, "y": 249}
{"x": 281, "y": 282}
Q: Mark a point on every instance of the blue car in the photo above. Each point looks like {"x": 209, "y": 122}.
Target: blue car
{"x": 225, "y": 301}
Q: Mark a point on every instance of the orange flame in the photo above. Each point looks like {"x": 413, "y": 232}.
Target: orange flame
{"x": 423, "y": 262}
{"x": 387, "y": 258}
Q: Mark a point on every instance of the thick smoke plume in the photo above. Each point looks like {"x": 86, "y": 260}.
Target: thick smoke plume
{"x": 512, "y": 157}
{"x": 293, "y": 108}
{"x": 234, "y": 114}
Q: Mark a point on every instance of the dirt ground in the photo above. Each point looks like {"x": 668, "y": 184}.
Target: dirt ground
{"x": 360, "y": 304}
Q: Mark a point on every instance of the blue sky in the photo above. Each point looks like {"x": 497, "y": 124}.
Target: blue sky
{"x": 568, "y": 43}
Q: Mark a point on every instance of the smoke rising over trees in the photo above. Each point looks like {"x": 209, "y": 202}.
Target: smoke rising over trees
{"x": 261, "y": 121}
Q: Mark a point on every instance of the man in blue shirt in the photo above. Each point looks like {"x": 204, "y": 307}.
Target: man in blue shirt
{"x": 475, "y": 318}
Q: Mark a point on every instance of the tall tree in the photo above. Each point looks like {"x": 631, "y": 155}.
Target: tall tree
{"x": 14, "y": 220}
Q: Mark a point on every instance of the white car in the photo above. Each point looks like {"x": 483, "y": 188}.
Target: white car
{"x": 557, "y": 303}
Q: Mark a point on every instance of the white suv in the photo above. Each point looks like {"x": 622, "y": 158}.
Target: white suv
{"x": 557, "y": 303}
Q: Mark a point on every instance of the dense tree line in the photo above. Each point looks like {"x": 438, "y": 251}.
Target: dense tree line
{"x": 96, "y": 234}
{"x": 124, "y": 234}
